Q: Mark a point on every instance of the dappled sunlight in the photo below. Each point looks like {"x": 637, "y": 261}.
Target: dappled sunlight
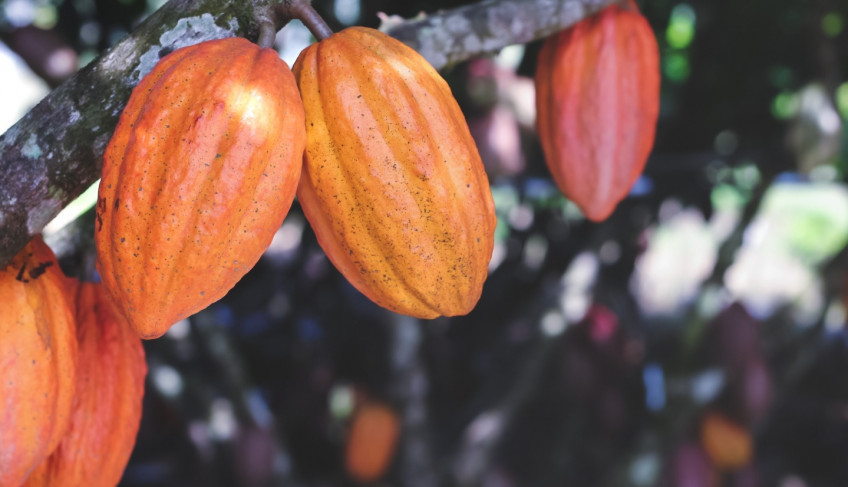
{"x": 681, "y": 253}
{"x": 798, "y": 227}
{"x": 20, "y": 88}
{"x": 577, "y": 285}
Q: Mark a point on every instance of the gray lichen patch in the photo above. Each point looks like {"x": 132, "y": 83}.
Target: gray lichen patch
{"x": 196, "y": 29}
{"x": 508, "y": 22}
{"x": 187, "y": 32}
{"x": 486, "y": 27}
{"x": 457, "y": 23}
{"x": 570, "y": 12}
{"x": 99, "y": 146}
{"x": 10, "y": 137}
{"x": 430, "y": 42}
{"x": 115, "y": 62}
{"x": 31, "y": 150}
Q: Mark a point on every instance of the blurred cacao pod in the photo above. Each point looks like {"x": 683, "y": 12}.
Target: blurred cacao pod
{"x": 597, "y": 103}
{"x": 38, "y": 360}
{"x": 392, "y": 183}
{"x": 107, "y": 407}
{"x": 755, "y": 390}
{"x": 734, "y": 337}
{"x": 689, "y": 466}
{"x": 728, "y": 444}
{"x": 199, "y": 174}
{"x": 371, "y": 441}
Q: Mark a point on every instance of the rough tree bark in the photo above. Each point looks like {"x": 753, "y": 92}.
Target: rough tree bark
{"x": 54, "y": 152}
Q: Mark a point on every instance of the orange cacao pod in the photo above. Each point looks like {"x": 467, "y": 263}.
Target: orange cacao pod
{"x": 107, "y": 406}
{"x": 392, "y": 182}
{"x": 371, "y": 441}
{"x": 728, "y": 444}
{"x": 38, "y": 356}
{"x": 597, "y": 103}
{"x": 199, "y": 174}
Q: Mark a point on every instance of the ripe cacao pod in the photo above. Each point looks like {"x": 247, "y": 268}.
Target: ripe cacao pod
{"x": 199, "y": 174}
{"x": 38, "y": 357}
{"x": 597, "y": 103}
{"x": 371, "y": 441}
{"x": 729, "y": 445}
{"x": 392, "y": 182}
{"x": 107, "y": 406}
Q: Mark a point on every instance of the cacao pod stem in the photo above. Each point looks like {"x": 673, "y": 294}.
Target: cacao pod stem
{"x": 303, "y": 11}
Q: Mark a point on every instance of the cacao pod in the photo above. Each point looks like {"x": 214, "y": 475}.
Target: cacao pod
{"x": 689, "y": 466}
{"x": 107, "y": 408}
{"x": 371, "y": 441}
{"x": 199, "y": 174}
{"x": 597, "y": 103}
{"x": 38, "y": 356}
{"x": 392, "y": 182}
{"x": 728, "y": 444}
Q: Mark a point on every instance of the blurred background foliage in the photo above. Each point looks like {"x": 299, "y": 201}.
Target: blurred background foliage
{"x": 696, "y": 338}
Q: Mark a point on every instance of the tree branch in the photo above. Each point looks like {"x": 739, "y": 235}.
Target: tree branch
{"x": 54, "y": 152}
{"x": 455, "y": 35}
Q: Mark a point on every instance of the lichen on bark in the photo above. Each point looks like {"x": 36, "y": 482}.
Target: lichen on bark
{"x": 453, "y": 36}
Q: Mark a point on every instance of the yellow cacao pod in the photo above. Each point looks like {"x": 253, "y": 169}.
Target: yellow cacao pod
{"x": 392, "y": 182}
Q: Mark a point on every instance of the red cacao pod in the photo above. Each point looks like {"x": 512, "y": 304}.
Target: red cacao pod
{"x": 107, "y": 405}
{"x": 392, "y": 182}
{"x": 371, "y": 441}
{"x": 199, "y": 174}
{"x": 597, "y": 103}
{"x": 38, "y": 357}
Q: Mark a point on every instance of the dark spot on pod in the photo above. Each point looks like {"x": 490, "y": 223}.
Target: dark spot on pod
{"x": 38, "y": 270}
{"x": 101, "y": 207}
{"x": 20, "y": 276}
